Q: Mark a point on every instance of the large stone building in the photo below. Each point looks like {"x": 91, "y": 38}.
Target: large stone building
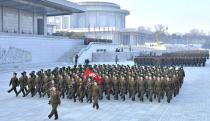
{"x": 103, "y": 20}
{"x": 23, "y": 26}
{"x": 98, "y": 15}
{"x": 30, "y": 16}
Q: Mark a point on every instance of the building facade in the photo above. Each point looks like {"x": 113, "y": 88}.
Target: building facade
{"x": 103, "y": 20}
{"x": 30, "y": 16}
{"x": 98, "y": 15}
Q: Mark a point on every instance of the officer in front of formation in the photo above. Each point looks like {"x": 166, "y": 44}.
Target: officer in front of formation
{"x": 54, "y": 101}
{"x": 14, "y": 82}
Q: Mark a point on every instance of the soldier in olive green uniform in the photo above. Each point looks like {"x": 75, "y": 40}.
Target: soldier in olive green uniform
{"x": 74, "y": 91}
{"x": 23, "y": 80}
{"x": 150, "y": 86}
{"x": 89, "y": 89}
{"x": 61, "y": 85}
{"x": 39, "y": 84}
{"x": 14, "y": 83}
{"x": 31, "y": 84}
{"x": 141, "y": 88}
{"x": 54, "y": 101}
{"x": 81, "y": 90}
{"x": 169, "y": 89}
{"x": 107, "y": 87}
{"x": 69, "y": 86}
{"x": 122, "y": 87}
{"x": 115, "y": 82}
{"x": 95, "y": 95}
{"x": 132, "y": 88}
{"x": 158, "y": 88}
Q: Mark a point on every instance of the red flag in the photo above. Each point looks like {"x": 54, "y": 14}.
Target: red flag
{"x": 88, "y": 73}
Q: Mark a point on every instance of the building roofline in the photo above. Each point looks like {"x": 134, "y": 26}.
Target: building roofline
{"x": 64, "y": 5}
{"x": 98, "y": 2}
{"x": 59, "y": 7}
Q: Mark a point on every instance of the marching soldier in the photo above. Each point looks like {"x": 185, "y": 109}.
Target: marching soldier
{"x": 81, "y": 90}
{"x": 158, "y": 88}
{"x": 14, "y": 83}
{"x": 23, "y": 80}
{"x": 95, "y": 95}
{"x": 132, "y": 88}
{"x": 169, "y": 89}
{"x": 89, "y": 89}
{"x": 122, "y": 87}
{"x": 54, "y": 101}
{"x": 150, "y": 88}
{"x": 31, "y": 84}
{"x": 141, "y": 88}
{"x": 115, "y": 87}
{"x": 39, "y": 84}
{"x": 107, "y": 87}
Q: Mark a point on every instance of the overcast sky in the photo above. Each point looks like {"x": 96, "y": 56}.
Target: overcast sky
{"x": 178, "y": 15}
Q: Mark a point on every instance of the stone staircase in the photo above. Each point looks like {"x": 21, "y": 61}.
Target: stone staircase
{"x": 69, "y": 55}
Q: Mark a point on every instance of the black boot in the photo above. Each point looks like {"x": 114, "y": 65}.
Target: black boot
{"x": 168, "y": 100}
{"x": 56, "y": 115}
{"x": 97, "y": 106}
{"x": 150, "y": 99}
{"x": 49, "y": 116}
{"x": 108, "y": 97}
{"x": 159, "y": 100}
{"x": 123, "y": 98}
{"x": 94, "y": 105}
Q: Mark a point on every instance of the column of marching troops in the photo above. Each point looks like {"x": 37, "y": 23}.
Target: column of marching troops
{"x": 141, "y": 82}
{"x": 180, "y": 58}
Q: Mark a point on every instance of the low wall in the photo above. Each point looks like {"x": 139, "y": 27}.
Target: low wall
{"x": 42, "y": 49}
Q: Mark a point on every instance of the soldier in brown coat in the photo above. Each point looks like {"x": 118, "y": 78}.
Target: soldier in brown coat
{"x": 23, "y": 83}
{"x": 122, "y": 87}
{"x": 95, "y": 95}
{"x": 89, "y": 88}
{"x": 115, "y": 87}
{"x": 141, "y": 88}
{"x": 14, "y": 83}
{"x": 39, "y": 84}
{"x": 31, "y": 84}
{"x": 107, "y": 87}
{"x": 54, "y": 101}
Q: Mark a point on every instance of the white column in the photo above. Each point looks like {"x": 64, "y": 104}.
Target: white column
{"x": 33, "y": 22}
{"x": 2, "y": 19}
{"x": 45, "y": 24}
{"x": 19, "y": 31}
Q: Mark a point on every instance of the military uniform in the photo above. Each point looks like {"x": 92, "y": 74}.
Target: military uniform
{"x": 141, "y": 88}
{"x": 31, "y": 85}
{"x": 158, "y": 88}
{"x": 39, "y": 84}
{"x": 23, "y": 80}
{"x": 54, "y": 101}
{"x": 14, "y": 83}
{"x": 122, "y": 87}
{"x": 132, "y": 88}
{"x": 169, "y": 89}
{"x": 95, "y": 95}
